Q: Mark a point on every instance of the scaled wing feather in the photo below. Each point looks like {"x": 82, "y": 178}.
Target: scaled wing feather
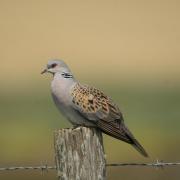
{"x": 98, "y": 108}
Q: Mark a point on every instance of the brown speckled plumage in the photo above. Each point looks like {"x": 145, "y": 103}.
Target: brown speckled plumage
{"x": 90, "y": 100}
{"x": 98, "y": 108}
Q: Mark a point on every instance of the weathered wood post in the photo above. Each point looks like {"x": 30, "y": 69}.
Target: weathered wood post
{"x": 79, "y": 154}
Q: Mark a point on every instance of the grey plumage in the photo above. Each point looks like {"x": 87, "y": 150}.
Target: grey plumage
{"x": 87, "y": 106}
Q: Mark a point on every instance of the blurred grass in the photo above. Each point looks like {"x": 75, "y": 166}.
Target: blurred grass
{"x": 27, "y": 122}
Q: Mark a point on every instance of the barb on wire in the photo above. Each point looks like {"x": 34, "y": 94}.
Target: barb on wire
{"x": 157, "y": 164}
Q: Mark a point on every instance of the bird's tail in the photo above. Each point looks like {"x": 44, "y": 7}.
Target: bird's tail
{"x": 121, "y": 132}
{"x": 137, "y": 145}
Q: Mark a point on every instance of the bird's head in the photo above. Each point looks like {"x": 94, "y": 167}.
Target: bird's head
{"x": 56, "y": 66}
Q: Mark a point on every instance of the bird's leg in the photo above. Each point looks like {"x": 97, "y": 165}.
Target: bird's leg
{"x": 83, "y": 125}
{"x": 75, "y": 126}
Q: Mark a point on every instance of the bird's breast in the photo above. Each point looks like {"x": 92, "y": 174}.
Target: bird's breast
{"x": 60, "y": 88}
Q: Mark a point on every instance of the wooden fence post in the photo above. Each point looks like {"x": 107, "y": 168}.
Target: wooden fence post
{"x": 79, "y": 154}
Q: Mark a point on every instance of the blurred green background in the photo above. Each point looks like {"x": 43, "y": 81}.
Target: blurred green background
{"x": 129, "y": 49}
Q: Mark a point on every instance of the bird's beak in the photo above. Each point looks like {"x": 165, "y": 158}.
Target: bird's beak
{"x": 44, "y": 71}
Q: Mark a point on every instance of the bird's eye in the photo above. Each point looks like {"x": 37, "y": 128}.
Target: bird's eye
{"x": 53, "y": 65}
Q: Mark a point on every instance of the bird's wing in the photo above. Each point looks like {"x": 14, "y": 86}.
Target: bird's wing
{"x": 98, "y": 108}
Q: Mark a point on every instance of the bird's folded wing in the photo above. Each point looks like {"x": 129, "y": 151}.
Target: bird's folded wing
{"x": 98, "y": 108}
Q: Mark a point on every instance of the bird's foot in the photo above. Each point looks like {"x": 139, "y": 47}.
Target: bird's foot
{"x": 75, "y": 126}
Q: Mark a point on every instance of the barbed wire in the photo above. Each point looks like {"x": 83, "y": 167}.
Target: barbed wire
{"x": 42, "y": 168}
{"x": 157, "y": 164}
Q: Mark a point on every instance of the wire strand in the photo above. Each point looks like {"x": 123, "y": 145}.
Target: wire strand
{"x": 157, "y": 164}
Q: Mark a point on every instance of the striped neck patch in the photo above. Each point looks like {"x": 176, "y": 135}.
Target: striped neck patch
{"x": 67, "y": 75}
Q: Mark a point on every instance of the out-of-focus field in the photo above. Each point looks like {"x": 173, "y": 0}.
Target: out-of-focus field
{"x": 128, "y": 49}
{"x": 28, "y": 120}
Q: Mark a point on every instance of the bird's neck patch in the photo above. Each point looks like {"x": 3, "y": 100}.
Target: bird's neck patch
{"x": 67, "y": 75}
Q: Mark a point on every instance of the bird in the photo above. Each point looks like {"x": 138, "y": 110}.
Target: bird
{"x": 87, "y": 106}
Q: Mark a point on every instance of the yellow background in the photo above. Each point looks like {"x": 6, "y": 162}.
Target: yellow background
{"x": 129, "y": 49}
